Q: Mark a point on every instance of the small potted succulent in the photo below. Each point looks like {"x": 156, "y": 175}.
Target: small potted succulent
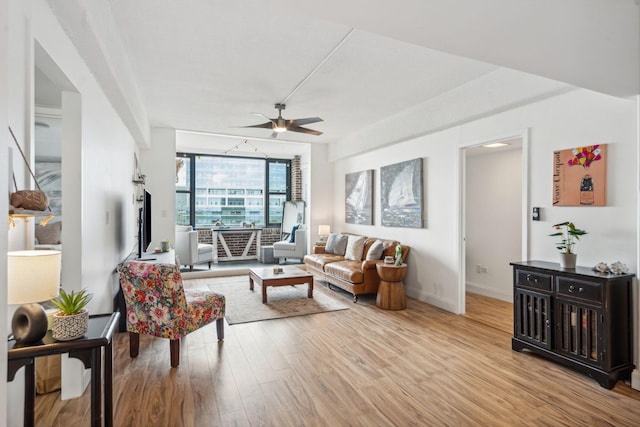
{"x": 72, "y": 321}
{"x": 568, "y": 233}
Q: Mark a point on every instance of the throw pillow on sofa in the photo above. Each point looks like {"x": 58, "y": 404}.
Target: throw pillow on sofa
{"x": 355, "y": 247}
{"x": 375, "y": 251}
{"x": 330, "y": 246}
{"x": 341, "y": 244}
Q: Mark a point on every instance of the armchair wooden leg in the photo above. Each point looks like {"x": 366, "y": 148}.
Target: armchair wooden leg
{"x": 174, "y": 346}
{"x": 209, "y": 265}
{"x": 134, "y": 344}
{"x": 220, "y": 328}
{"x": 191, "y": 267}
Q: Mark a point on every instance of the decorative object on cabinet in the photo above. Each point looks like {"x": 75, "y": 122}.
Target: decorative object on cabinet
{"x": 32, "y": 277}
{"x": 580, "y": 176}
{"x": 28, "y": 203}
{"x": 358, "y": 206}
{"x": 72, "y": 321}
{"x": 401, "y": 194}
{"x": 579, "y": 318}
{"x": 569, "y": 234}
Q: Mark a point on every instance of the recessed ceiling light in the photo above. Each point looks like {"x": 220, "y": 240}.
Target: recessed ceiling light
{"x": 495, "y": 145}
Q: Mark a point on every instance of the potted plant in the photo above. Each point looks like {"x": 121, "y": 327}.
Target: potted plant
{"x": 72, "y": 321}
{"x": 569, "y": 234}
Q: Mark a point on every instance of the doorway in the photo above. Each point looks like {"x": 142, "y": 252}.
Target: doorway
{"x": 493, "y": 223}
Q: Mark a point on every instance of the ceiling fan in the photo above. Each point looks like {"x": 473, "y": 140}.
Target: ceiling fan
{"x": 280, "y": 124}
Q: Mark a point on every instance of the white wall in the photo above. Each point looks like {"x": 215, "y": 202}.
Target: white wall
{"x": 576, "y": 118}
{"x": 320, "y": 191}
{"x": 159, "y": 164}
{"x": 4, "y": 205}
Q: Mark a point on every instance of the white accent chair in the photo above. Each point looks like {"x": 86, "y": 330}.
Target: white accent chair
{"x": 188, "y": 250}
{"x": 284, "y": 249}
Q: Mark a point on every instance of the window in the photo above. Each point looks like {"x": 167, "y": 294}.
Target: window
{"x": 279, "y": 184}
{"x": 183, "y": 190}
{"x": 230, "y": 190}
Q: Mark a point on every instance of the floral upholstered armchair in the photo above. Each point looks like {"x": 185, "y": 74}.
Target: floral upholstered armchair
{"x": 158, "y": 305}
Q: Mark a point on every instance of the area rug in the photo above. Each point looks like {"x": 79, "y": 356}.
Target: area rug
{"x": 245, "y": 306}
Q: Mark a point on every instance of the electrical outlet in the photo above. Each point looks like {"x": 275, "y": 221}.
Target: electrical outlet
{"x": 478, "y": 268}
{"x": 484, "y": 269}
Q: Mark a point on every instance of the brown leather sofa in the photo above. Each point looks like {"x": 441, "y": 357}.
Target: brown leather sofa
{"x": 355, "y": 277}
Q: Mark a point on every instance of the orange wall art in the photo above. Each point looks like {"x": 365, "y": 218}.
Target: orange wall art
{"x": 580, "y": 176}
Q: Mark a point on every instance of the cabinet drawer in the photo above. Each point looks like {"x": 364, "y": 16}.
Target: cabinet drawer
{"x": 591, "y": 291}
{"x": 534, "y": 280}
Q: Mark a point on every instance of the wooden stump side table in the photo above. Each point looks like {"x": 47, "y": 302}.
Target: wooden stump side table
{"x": 391, "y": 294}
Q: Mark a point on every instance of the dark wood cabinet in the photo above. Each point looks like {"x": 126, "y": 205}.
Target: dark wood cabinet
{"x": 579, "y": 317}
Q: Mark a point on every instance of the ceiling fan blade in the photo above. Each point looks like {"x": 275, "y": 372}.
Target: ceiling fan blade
{"x": 268, "y": 125}
{"x": 304, "y": 130}
{"x": 263, "y": 116}
{"x": 307, "y": 121}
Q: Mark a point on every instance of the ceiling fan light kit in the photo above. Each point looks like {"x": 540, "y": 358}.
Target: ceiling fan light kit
{"x": 280, "y": 124}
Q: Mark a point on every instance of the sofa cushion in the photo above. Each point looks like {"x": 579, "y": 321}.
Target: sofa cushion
{"x": 284, "y": 245}
{"x": 375, "y": 251}
{"x": 355, "y": 246}
{"x": 320, "y": 260}
{"x": 348, "y": 270}
{"x": 204, "y": 248}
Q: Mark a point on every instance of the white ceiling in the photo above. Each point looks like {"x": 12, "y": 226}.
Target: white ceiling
{"x": 205, "y": 65}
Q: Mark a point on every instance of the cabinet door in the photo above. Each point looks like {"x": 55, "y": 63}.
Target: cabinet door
{"x": 532, "y": 315}
{"x": 579, "y": 331}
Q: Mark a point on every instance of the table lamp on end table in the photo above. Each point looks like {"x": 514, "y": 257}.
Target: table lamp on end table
{"x": 33, "y": 277}
{"x": 323, "y": 231}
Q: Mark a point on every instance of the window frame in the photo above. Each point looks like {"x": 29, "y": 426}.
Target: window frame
{"x": 266, "y": 192}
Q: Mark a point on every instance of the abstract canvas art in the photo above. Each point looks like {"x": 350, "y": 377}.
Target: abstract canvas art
{"x": 402, "y": 194}
{"x": 580, "y": 176}
{"x": 358, "y": 204}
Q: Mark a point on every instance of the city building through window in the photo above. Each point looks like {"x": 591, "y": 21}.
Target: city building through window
{"x": 231, "y": 191}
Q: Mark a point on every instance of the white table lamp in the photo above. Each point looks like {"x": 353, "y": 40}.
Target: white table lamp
{"x": 33, "y": 277}
{"x": 323, "y": 231}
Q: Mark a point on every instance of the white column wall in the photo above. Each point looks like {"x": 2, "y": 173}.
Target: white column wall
{"x": 4, "y": 205}
{"x": 159, "y": 164}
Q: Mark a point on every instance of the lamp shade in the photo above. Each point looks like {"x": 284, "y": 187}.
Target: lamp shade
{"x": 324, "y": 230}
{"x": 33, "y": 276}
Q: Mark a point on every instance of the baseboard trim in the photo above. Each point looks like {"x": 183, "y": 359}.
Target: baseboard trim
{"x": 635, "y": 379}
{"x": 432, "y": 299}
{"x": 489, "y": 292}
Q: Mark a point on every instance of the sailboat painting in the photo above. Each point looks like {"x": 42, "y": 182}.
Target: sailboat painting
{"x": 358, "y": 206}
{"x": 401, "y": 194}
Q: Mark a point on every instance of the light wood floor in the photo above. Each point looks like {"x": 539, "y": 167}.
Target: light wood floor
{"x": 358, "y": 367}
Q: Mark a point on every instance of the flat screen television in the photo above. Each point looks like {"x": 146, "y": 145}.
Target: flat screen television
{"x": 144, "y": 224}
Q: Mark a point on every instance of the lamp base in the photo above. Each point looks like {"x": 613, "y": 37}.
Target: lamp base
{"x": 29, "y": 323}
